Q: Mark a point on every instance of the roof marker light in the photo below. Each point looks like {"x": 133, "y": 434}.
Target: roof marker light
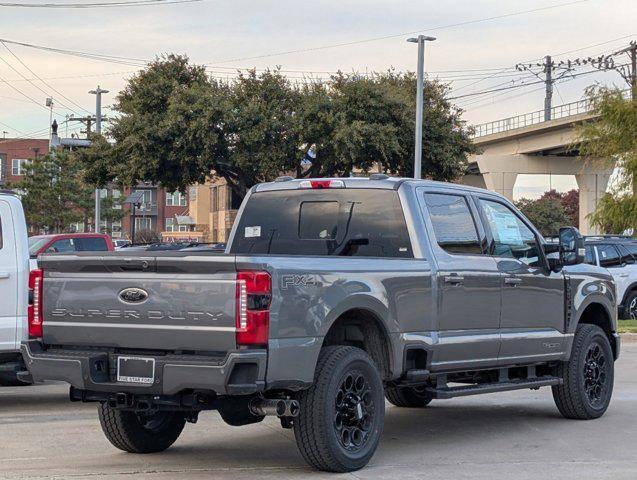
{"x": 319, "y": 184}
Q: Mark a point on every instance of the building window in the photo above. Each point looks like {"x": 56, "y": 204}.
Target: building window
{"x": 143, "y": 223}
{"x": 234, "y": 200}
{"x": 3, "y": 162}
{"x": 176, "y": 199}
{"x": 17, "y": 166}
{"x": 170, "y": 225}
{"x": 149, "y": 198}
{"x": 214, "y": 198}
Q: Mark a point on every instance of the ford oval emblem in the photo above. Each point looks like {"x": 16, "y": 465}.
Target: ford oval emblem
{"x": 133, "y": 295}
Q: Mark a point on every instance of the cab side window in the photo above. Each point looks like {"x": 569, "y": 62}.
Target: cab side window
{"x": 453, "y": 223}
{"x": 590, "y": 255}
{"x": 511, "y": 237}
{"x": 626, "y": 257}
{"x": 90, "y": 244}
{"x": 61, "y": 246}
{"x": 608, "y": 256}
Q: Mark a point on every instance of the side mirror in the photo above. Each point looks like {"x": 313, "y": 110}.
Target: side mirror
{"x": 572, "y": 249}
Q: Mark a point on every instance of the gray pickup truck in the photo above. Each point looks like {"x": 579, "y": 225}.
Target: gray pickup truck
{"x": 332, "y": 295}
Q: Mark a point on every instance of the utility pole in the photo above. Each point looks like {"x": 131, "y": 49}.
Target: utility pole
{"x": 628, "y": 71}
{"x": 98, "y": 131}
{"x": 548, "y": 97}
{"x": 420, "y": 87}
{"x": 546, "y": 76}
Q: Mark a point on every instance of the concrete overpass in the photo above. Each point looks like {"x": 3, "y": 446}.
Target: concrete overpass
{"x": 527, "y": 144}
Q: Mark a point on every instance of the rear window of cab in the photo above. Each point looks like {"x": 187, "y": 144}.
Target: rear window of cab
{"x": 324, "y": 222}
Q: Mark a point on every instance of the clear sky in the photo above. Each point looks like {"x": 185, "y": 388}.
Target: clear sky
{"x": 226, "y": 35}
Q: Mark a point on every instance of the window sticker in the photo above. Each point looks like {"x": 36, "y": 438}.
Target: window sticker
{"x": 251, "y": 232}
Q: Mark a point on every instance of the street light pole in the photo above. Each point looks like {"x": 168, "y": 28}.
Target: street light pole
{"x": 98, "y": 130}
{"x": 49, "y": 103}
{"x": 420, "y": 85}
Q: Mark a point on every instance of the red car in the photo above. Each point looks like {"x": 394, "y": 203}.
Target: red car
{"x": 69, "y": 242}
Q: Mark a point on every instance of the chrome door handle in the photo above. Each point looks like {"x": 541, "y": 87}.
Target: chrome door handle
{"x": 5, "y": 274}
{"x": 623, "y": 275}
{"x": 454, "y": 279}
{"x": 512, "y": 281}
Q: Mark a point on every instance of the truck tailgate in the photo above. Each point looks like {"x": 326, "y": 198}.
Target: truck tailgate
{"x": 161, "y": 301}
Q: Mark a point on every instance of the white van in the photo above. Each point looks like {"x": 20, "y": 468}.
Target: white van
{"x": 14, "y": 287}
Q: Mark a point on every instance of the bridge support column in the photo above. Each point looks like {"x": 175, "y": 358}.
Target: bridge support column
{"x": 501, "y": 182}
{"x": 592, "y": 187}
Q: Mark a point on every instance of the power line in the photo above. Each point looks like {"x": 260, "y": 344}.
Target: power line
{"x": 529, "y": 61}
{"x": 23, "y": 94}
{"x": 41, "y": 80}
{"x": 402, "y": 34}
{"x": 34, "y": 85}
{"x": 121, "y": 3}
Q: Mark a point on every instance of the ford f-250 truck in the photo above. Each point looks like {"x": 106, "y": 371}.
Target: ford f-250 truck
{"x": 333, "y": 295}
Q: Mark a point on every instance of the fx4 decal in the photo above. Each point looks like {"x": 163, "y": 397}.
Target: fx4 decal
{"x": 292, "y": 280}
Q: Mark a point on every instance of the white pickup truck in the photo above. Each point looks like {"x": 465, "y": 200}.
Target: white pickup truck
{"x": 14, "y": 286}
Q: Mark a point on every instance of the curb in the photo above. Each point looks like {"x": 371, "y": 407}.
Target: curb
{"x": 628, "y": 337}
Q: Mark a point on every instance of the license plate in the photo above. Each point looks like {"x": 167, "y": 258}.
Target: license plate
{"x": 136, "y": 370}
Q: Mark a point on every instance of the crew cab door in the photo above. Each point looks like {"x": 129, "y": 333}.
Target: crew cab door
{"x": 532, "y": 316}
{"x": 8, "y": 279}
{"x": 468, "y": 283}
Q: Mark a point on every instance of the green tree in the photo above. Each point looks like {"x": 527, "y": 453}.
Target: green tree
{"x": 547, "y": 214}
{"x": 356, "y": 122}
{"x": 177, "y": 127}
{"x": 612, "y": 139}
{"x": 54, "y": 194}
{"x": 569, "y": 201}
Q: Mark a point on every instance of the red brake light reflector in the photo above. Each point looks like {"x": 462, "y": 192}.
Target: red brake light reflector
{"x": 34, "y": 310}
{"x": 253, "y": 295}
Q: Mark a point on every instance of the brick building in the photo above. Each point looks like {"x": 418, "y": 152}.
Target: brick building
{"x": 161, "y": 212}
{"x": 14, "y": 153}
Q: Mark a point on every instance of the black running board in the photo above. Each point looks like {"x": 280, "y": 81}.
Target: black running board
{"x": 465, "y": 390}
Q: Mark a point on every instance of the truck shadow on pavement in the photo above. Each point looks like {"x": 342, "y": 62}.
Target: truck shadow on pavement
{"x": 407, "y": 432}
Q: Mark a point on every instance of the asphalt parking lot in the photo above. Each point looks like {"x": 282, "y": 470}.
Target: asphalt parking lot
{"x": 515, "y": 435}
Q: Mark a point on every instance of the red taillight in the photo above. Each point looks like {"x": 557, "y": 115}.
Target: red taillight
{"x": 319, "y": 184}
{"x": 34, "y": 310}
{"x": 254, "y": 293}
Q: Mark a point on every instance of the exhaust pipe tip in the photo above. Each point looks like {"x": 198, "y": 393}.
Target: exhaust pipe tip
{"x": 280, "y": 408}
{"x": 293, "y": 408}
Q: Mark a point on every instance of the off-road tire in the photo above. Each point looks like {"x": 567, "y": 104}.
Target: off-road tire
{"x": 408, "y": 397}
{"x": 126, "y": 431}
{"x": 572, "y": 397}
{"x": 320, "y": 440}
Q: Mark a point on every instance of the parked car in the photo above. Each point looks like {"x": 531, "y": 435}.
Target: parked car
{"x": 67, "y": 243}
{"x": 618, "y": 254}
{"x": 333, "y": 294}
{"x": 120, "y": 243}
{"x": 14, "y": 288}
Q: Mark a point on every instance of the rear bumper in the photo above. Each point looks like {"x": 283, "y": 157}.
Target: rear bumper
{"x": 237, "y": 373}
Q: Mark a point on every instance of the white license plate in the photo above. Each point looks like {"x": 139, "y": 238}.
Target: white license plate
{"x": 136, "y": 370}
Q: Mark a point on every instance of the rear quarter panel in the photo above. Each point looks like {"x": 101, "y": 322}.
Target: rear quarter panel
{"x": 310, "y": 293}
